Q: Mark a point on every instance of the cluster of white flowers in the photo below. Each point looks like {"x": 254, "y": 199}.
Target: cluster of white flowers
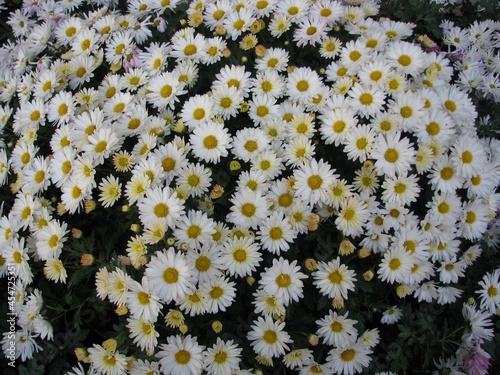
{"x": 476, "y": 54}
{"x": 387, "y": 107}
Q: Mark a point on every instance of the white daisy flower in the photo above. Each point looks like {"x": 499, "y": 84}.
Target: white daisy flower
{"x": 333, "y": 279}
{"x": 181, "y": 355}
{"x": 268, "y": 337}
{"x": 283, "y": 280}
{"x": 393, "y": 153}
{"x": 337, "y": 330}
{"x": 241, "y": 256}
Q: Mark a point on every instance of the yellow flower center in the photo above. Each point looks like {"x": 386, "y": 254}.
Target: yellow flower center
{"x": 226, "y": 102}
{"x": 70, "y": 31}
{"x": 311, "y": 30}
{"x": 53, "y": 240}
{"x": 170, "y": 275}
{"x": 220, "y": 357}
{"x": 203, "y": 263}
{"x": 400, "y": 188}
{"x": 470, "y": 217}
{"x": 240, "y": 255}
{"x": 251, "y": 146}
{"x": 283, "y": 280}
{"x": 450, "y": 105}
{"x": 492, "y": 291}
{"x": 355, "y": 55}
{"x": 447, "y": 173}
{"x": 168, "y": 164}
{"x": 348, "y": 355}
{"x": 394, "y": 264}
{"x": 285, "y": 200}
{"x": 404, "y": 60}
{"x": 262, "y": 111}
{"x": 302, "y": 85}
{"x": 182, "y": 357}
{"x": 143, "y": 298}
{"x": 443, "y": 208}
{"x": 361, "y": 143}
{"x": 391, "y": 155}
{"x": 210, "y": 142}
{"x": 366, "y": 99}
{"x": 467, "y": 157}
{"x": 119, "y": 107}
{"x": 270, "y": 336}
{"x": 276, "y": 233}
{"x": 193, "y": 180}
{"x": 314, "y": 182}
{"x": 406, "y": 112}
{"x": 194, "y": 231}
{"x": 336, "y": 327}
{"x": 190, "y": 50}
{"x": 199, "y": 114}
{"x": 216, "y": 292}
{"x": 335, "y": 277}
{"x": 161, "y": 210}
{"x": 248, "y": 209}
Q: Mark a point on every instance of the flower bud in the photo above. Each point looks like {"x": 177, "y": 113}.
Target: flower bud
{"x": 250, "y": 280}
{"x": 87, "y": 260}
{"x": 338, "y": 303}
{"x": 217, "y": 326}
{"x": 346, "y": 247}
{"x": 234, "y": 165}
{"x": 170, "y": 241}
{"x": 183, "y": 329}
{"x": 136, "y": 228}
{"x": 76, "y": 233}
{"x": 368, "y": 275}
{"x": 402, "y": 291}
{"x": 121, "y": 310}
{"x": 260, "y": 50}
{"x": 110, "y": 345}
{"x": 61, "y": 209}
{"x": 313, "y": 339}
{"x": 90, "y": 205}
{"x": 81, "y": 354}
{"x": 125, "y": 208}
{"x": 311, "y": 264}
{"x": 364, "y": 253}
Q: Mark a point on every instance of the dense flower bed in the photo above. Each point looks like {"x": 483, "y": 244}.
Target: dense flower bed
{"x": 239, "y": 186}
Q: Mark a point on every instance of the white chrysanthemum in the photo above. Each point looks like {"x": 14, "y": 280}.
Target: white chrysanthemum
{"x": 248, "y": 208}
{"x": 219, "y": 294}
{"x": 366, "y": 101}
{"x": 226, "y": 101}
{"x": 395, "y": 266}
{"x": 268, "y": 337}
{"x": 50, "y": 240}
{"x": 241, "y": 256}
{"x": 276, "y": 233}
{"x": 222, "y": 358}
{"x": 160, "y": 204}
{"x": 143, "y": 333}
{"x": 353, "y": 213}
{"x": 141, "y": 301}
{"x": 333, "y": 279}
{"x": 393, "y": 154}
{"x": 169, "y": 276}
{"x": 313, "y": 180}
{"x": 107, "y": 362}
{"x": 283, "y": 280}
{"x": 350, "y": 359}
{"x": 181, "y": 355}
{"x": 206, "y": 262}
{"x": 337, "y": 330}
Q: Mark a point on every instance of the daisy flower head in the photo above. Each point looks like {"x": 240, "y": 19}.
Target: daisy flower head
{"x": 141, "y": 301}
{"x": 276, "y": 233}
{"x": 181, "y": 355}
{"x": 313, "y": 180}
{"x": 194, "y": 179}
{"x": 143, "y": 333}
{"x": 336, "y": 124}
{"x": 219, "y": 294}
{"x": 310, "y": 30}
{"x": 468, "y": 156}
{"x": 337, "y": 330}
{"x": 401, "y": 189}
{"x": 268, "y": 337}
{"x": 164, "y": 91}
{"x": 169, "y": 275}
{"x": 366, "y": 101}
{"x": 54, "y": 270}
{"x": 248, "y": 209}
{"x": 227, "y": 101}
{"x": 393, "y": 153}
{"x": 358, "y": 142}
{"x": 160, "y": 204}
{"x": 303, "y": 84}
{"x": 406, "y": 57}
{"x": 474, "y": 219}
{"x": 349, "y": 359}
{"x": 50, "y": 240}
{"x": 106, "y": 361}
{"x": 197, "y": 110}
{"x": 333, "y": 279}
{"x": 241, "y": 256}
{"x": 206, "y": 262}
{"x": 353, "y": 214}
{"x": 267, "y": 304}
{"x": 392, "y": 315}
{"x": 395, "y": 266}
{"x": 274, "y": 59}
{"x": 283, "y": 280}
{"x": 222, "y": 358}
{"x": 489, "y": 294}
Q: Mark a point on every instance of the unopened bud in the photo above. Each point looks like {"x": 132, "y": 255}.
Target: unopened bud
{"x": 250, "y": 280}
{"x": 234, "y": 165}
{"x": 313, "y": 339}
{"x": 217, "y": 326}
{"x": 81, "y": 354}
{"x": 136, "y": 228}
{"x": 402, "y": 291}
{"x": 110, "y": 345}
{"x": 76, "y": 233}
{"x": 364, "y": 253}
{"x": 125, "y": 208}
{"x": 338, "y": 303}
{"x": 183, "y": 329}
{"x": 260, "y": 50}
{"x": 87, "y": 260}
{"x": 346, "y": 247}
{"x": 311, "y": 264}
{"x": 90, "y": 205}
{"x": 121, "y": 310}
{"x": 368, "y": 275}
